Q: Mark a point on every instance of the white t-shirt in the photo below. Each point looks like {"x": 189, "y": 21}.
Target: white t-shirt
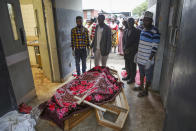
{"x": 99, "y": 36}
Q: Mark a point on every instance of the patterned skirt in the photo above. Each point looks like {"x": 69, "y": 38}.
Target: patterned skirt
{"x": 114, "y": 38}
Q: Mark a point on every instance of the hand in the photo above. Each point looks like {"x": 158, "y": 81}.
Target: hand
{"x": 73, "y": 52}
{"x": 151, "y": 56}
{"x": 126, "y": 51}
{"x": 91, "y": 46}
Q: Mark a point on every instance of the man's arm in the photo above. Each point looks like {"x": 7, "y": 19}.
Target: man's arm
{"x": 109, "y": 40}
{"x": 72, "y": 39}
{"x": 123, "y": 40}
{"x": 156, "y": 41}
{"x": 87, "y": 38}
{"x": 138, "y": 38}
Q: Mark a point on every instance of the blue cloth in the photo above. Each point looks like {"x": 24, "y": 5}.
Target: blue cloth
{"x": 148, "y": 45}
{"x": 148, "y": 73}
{"x": 80, "y": 54}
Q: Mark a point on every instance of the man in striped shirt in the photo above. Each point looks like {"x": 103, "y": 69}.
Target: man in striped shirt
{"x": 79, "y": 43}
{"x": 149, "y": 40}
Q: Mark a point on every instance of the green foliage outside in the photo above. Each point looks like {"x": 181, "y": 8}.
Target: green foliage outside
{"x": 138, "y": 11}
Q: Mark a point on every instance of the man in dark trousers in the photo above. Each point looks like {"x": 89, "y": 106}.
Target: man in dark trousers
{"x": 125, "y": 24}
{"x": 130, "y": 47}
{"x": 102, "y": 42}
{"x": 79, "y": 43}
{"x": 147, "y": 49}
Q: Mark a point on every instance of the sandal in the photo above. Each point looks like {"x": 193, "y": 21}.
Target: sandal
{"x": 137, "y": 88}
{"x": 143, "y": 94}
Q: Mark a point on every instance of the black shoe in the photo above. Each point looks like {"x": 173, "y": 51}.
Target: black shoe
{"x": 130, "y": 81}
{"x": 143, "y": 94}
{"x": 125, "y": 79}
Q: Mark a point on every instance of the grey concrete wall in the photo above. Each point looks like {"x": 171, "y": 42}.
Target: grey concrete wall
{"x": 65, "y": 12}
{"x": 163, "y": 24}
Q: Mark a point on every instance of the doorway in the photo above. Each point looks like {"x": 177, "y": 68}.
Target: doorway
{"x": 40, "y": 36}
{"x": 37, "y": 16}
{"x": 36, "y": 51}
{"x": 31, "y": 27}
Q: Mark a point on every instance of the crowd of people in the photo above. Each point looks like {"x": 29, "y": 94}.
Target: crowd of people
{"x": 137, "y": 40}
{"x": 117, "y": 28}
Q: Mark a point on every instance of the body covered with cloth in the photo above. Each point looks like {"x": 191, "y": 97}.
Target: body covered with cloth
{"x": 100, "y": 85}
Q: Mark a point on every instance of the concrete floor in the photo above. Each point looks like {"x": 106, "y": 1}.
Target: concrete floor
{"x": 146, "y": 114}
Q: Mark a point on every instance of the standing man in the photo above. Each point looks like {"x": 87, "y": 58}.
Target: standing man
{"x": 79, "y": 42}
{"x": 125, "y": 24}
{"x": 130, "y": 46}
{"x": 102, "y": 42}
{"x": 149, "y": 40}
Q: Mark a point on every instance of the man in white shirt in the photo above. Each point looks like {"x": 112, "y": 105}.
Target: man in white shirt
{"x": 102, "y": 42}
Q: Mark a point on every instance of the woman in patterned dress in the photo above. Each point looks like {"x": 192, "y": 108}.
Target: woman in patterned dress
{"x": 114, "y": 28}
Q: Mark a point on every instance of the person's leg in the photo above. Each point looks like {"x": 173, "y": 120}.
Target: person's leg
{"x": 83, "y": 57}
{"x": 92, "y": 54}
{"x": 97, "y": 57}
{"x": 88, "y": 51}
{"x": 77, "y": 60}
{"x": 127, "y": 67}
{"x": 115, "y": 49}
{"x": 133, "y": 68}
{"x": 124, "y": 68}
{"x": 142, "y": 75}
{"x": 104, "y": 60}
{"x": 149, "y": 75}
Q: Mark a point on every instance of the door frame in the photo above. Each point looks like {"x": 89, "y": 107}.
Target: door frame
{"x": 51, "y": 39}
{"x": 47, "y": 39}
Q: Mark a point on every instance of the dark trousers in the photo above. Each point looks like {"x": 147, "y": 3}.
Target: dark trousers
{"x": 130, "y": 65}
{"x": 148, "y": 73}
{"x": 80, "y": 54}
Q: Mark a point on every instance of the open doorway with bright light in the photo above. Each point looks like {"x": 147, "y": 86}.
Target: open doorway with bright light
{"x": 41, "y": 44}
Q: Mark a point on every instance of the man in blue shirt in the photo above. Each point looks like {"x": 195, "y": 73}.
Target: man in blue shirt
{"x": 148, "y": 45}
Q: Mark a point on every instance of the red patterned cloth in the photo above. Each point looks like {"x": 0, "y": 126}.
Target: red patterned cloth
{"x": 100, "y": 85}
{"x": 93, "y": 31}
